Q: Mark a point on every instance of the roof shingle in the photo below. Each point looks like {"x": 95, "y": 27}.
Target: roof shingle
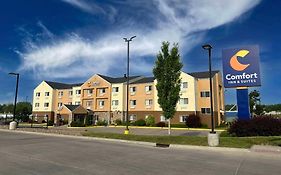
{"x": 57, "y": 85}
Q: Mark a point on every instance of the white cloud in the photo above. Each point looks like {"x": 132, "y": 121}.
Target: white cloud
{"x": 182, "y": 21}
{"x": 87, "y": 7}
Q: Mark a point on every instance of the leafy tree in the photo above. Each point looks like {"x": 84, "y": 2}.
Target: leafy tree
{"x": 1, "y": 108}
{"x": 255, "y": 106}
{"x": 9, "y": 108}
{"x": 274, "y": 107}
{"x": 23, "y": 110}
{"x": 167, "y": 72}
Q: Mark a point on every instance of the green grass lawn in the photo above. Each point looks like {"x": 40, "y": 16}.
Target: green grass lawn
{"x": 235, "y": 142}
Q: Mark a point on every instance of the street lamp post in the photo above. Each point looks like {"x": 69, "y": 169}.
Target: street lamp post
{"x": 128, "y": 78}
{"x": 16, "y": 95}
{"x": 213, "y": 137}
{"x": 209, "y": 48}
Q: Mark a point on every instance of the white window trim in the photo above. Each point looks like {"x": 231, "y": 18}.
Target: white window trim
{"x": 181, "y": 118}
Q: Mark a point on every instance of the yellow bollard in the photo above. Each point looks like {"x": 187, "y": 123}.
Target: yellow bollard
{"x": 126, "y": 132}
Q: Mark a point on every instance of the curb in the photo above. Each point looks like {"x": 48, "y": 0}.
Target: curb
{"x": 208, "y": 148}
{"x": 151, "y": 144}
{"x": 144, "y": 127}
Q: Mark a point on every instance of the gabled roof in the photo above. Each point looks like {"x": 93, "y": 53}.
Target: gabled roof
{"x": 203, "y": 74}
{"x": 117, "y": 79}
{"x": 57, "y": 85}
{"x": 71, "y": 107}
{"x": 144, "y": 80}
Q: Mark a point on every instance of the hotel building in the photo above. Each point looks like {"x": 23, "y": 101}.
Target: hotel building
{"x": 104, "y": 98}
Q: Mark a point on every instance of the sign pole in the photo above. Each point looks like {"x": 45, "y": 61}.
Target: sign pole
{"x": 243, "y": 103}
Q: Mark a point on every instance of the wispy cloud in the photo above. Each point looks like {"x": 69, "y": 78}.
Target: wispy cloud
{"x": 183, "y": 21}
{"x": 85, "y": 6}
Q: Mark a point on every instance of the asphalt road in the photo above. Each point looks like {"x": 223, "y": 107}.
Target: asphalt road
{"x": 37, "y": 154}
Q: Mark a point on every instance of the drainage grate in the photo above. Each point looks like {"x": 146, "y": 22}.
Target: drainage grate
{"x": 162, "y": 145}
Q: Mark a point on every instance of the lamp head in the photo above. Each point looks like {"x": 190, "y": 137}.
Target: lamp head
{"x": 207, "y": 46}
{"x": 12, "y": 73}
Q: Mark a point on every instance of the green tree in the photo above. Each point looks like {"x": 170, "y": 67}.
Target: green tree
{"x": 167, "y": 72}
{"x": 255, "y": 106}
{"x": 23, "y": 110}
{"x": 8, "y": 108}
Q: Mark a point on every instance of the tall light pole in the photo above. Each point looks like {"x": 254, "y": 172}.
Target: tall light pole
{"x": 128, "y": 78}
{"x": 16, "y": 95}
{"x": 209, "y": 48}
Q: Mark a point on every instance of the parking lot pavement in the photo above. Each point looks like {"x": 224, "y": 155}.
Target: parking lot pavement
{"x": 27, "y": 154}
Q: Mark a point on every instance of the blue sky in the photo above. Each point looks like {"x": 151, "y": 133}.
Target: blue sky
{"x": 46, "y": 40}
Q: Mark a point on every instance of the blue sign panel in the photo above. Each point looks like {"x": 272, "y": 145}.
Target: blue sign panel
{"x": 241, "y": 67}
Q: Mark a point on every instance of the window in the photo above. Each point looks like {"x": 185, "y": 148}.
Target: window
{"x": 77, "y": 103}
{"x": 183, "y": 118}
{"x": 133, "y": 117}
{"x": 60, "y": 93}
{"x": 101, "y": 104}
{"x": 148, "y": 102}
{"x": 37, "y": 94}
{"x": 88, "y": 103}
{"x": 115, "y": 89}
{"x": 102, "y": 91}
{"x": 205, "y": 94}
{"x": 205, "y": 110}
{"x": 46, "y": 105}
{"x": 183, "y": 85}
{"x": 162, "y": 118}
{"x": 115, "y": 102}
{"x": 70, "y": 93}
{"x": 47, "y": 94}
{"x": 183, "y": 101}
{"x": 36, "y": 104}
{"x": 59, "y": 104}
{"x": 133, "y": 89}
{"x": 133, "y": 103}
{"x": 148, "y": 88}
{"x": 90, "y": 92}
{"x": 78, "y": 92}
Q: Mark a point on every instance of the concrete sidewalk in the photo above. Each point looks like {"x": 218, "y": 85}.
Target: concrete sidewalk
{"x": 118, "y": 129}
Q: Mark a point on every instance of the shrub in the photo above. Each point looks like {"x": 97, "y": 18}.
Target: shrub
{"x": 50, "y": 122}
{"x": 89, "y": 120}
{"x": 193, "y": 121}
{"x": 140, "y": 122}
{"x": 150, "y": 121}
{"x": 118, "y": 122}
{"x": 65, "y": 122}
{"x": 256, "y": 126}
{"x": 161, "y": 124}
{"x": 44, "y": 121}
{"x": 102, "y": 123}
{"x": 77, "y": 124}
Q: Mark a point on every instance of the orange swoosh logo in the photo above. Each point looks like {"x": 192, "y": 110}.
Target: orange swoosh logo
{"x": 235, "y": 64}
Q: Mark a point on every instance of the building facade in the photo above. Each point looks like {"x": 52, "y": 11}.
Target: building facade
{"x": 104, "y": 98}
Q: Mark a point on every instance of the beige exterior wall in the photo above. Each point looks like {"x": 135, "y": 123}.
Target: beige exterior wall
{"x": 65, "y": 98}
{"x": 95, "y": 84}
{"x": 42, "y": 88}
{"x": 141, "y": 96}
{"x": 120, "y": 96}
{"x": 76, "y": 97}
{"x": 189, "y": 93}
{"x": 218, "y": 98}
